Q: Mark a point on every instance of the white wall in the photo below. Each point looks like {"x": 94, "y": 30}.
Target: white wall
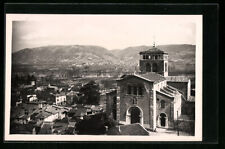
{"x": 60, "y": 99}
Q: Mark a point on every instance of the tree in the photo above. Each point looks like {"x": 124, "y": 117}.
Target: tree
{"x": 93, "y": 125}
{"x": 90, "y": 93}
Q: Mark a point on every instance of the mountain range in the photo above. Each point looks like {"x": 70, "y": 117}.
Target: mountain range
{"x": 181, "y": 57}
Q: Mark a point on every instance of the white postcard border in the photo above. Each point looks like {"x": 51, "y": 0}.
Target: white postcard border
{"x": 16, "y": 137}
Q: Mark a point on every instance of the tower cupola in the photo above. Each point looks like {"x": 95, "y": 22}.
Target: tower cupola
{"x": 154, "y": 60}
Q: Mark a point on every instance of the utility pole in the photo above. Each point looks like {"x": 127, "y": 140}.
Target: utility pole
{"x": 177, "y": 125}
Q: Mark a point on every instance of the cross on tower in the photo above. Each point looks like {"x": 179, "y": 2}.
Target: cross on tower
{"x": 153, "y": 41}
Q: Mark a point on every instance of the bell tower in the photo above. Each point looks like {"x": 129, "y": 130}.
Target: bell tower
{"x": 154, "y": 60}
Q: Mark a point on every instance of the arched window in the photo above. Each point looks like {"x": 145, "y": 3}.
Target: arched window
{"x": 135, "y": 90}
{"x": 148, "y": 67}
{"x": 143, "y": 56}
{"x": 140, "y": 91}
{"x": 155, "y": 69}
{"x": 162, "y": 104}
{"x": 128, "y": 89}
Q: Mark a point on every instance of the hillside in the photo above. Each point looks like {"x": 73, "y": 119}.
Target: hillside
{"x": 181, "y": 57}
{"x": 71, "y": 55}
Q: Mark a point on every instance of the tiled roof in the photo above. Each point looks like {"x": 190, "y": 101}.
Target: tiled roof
{"x": 154, "y": 50}
{"x": 150, "y": 76}
{"x": 43, "y": 114}
{"x": 169, "y": 91}
{"x": 177, "y": 79}
{"x": 131, "y": 129}
{"x": 54, "y": 109}
{"x": 46, "y": 129}
{"x": 60, "y": 94}
{"x": 22, "y": 108}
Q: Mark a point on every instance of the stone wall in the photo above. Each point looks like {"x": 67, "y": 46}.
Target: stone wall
{"x": 109, "y": 102}
{"x": 168, "y": 110}
{"x": 182, "y": 86}
{"x": 159, "y": 63}
{"x": 143, "y": 101}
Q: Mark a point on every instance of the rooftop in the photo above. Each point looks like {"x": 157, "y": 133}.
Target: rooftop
{"x": 153, "y": 50}
{"x": 168, "y": 91}
{"x": 55, "y": 109}
{"x": 177, "y": 79}
{"x": 150, "y": 76}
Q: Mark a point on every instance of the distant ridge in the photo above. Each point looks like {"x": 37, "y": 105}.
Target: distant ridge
{"x": 181, "y": 56}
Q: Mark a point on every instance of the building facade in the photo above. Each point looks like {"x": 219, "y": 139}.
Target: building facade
{"x": 148, "y": 97}
{"x": 154, "y": 60}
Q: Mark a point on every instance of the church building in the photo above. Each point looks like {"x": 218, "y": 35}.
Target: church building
{"x": 149, "y": 97}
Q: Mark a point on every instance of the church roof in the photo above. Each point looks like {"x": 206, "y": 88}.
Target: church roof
{"x": 177, "y": 79}
{"x": 168, "y": 91}
{"x": 150, "y": 76}
{"x": 153, "y": 50}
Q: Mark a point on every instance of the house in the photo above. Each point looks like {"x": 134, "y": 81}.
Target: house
{"x": 56, "y": 112}
{"x": 21, "y": 114}
{"x": 60, "y": 98}
{"x": 149, "y": 97}
{"x": 49, "y": 114}
{"x": 31, "y": 98}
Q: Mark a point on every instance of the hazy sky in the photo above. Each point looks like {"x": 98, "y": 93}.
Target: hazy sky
{"x": 109, "y": 31}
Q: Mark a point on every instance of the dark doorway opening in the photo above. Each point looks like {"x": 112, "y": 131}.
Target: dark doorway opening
{"x": 114, "y": 108}
{"x": 148, "y": 67}
{"x": 163, "y": 119}
{"x": 155, "y": 68}
{"x": 135, "y": 115}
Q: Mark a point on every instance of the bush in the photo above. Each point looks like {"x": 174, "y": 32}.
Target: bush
{"x": 187, "y": 126}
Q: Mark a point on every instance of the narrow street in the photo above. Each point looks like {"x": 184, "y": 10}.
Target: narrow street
{"x": 166, "y": 132}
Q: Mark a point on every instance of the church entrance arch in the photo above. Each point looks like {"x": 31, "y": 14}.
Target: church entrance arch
{"x": 163, "y": 120}
{"x": 134, "y": 115}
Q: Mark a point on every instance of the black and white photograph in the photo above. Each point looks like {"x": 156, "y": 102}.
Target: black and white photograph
{"x": 86, "y": 77}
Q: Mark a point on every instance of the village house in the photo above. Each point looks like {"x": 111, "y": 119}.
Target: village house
{"x": 21, "y": 114}
{"x": 60, "y": 98}
{"x": 31, "y": 98}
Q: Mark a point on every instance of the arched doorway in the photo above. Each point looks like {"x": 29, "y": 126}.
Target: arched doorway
{"x": 163, "y": 119}
{"x": 134, "y": 115}
{"x": 155, "y": 68}
{"x": 148, "y": 67}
